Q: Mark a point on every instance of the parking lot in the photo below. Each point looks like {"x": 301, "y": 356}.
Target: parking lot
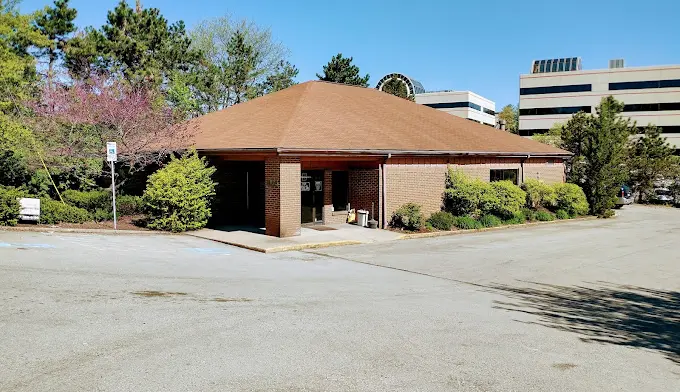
{"x": 572, "y": 306}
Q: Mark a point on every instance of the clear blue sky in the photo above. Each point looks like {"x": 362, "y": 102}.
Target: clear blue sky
{"x": 481, "y": 46}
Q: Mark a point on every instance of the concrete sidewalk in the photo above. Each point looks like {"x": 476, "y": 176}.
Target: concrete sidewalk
{"x": 342, "y": 234}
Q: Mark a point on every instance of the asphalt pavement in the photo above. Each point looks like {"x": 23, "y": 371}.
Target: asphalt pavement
{"x": 579, "y": 306}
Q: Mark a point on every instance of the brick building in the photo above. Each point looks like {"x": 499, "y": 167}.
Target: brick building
{"x": 306, "y": 154}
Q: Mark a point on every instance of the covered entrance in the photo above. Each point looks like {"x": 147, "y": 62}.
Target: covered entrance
{"x": 240, "y": 194}
{"x": 312, "y": 196}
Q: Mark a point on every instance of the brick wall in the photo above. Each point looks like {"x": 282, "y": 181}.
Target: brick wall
{"x": 422, "y": 180}
{"x": 547, "y": 170}
{"x": 282, "y": 196}
{"x": 330, "y": 217}
{"x": 364, "y": 190}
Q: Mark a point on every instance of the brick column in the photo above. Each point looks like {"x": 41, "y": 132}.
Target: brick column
{"x": 327, "y": 196}
{"x": 282, "y": 193}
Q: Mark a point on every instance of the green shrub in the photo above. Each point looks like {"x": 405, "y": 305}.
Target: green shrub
{"x": 53, "y": 212}
{"x": 570, "y": 197}
{"x": 489, "y": 220}
{"x": 517, "y": 219}
{"x": 562, "y": 214}
{"x": 408, "y": 217}
{"x": 529, "y": 214}
{"x": 129, "y": 205}
{"x": 464, "y": 198}
{"x": 177, "y": 197}
{"x": 102, "y": 215}
{"x": 539, "y": 194}
{"x": 607, "y": 214}
{"x": 544, "y": 216}
{"x": 90, "y": 201}
{"x": 9, "y": 206}
{"x": 511, "y": 199}
{"x": 467, "y": 223}
{"x": 441, "y": 220}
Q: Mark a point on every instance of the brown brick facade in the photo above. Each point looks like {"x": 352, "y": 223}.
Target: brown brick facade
{"x": 364, "y": 191}
{"x": 422, "y": 180}
{"x": 282, "y": 196}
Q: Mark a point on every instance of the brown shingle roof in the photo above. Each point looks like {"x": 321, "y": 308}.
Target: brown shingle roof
{"x": 333, "y": 117}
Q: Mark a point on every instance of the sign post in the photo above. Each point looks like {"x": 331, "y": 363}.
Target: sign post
{"x": 112, "y": 157}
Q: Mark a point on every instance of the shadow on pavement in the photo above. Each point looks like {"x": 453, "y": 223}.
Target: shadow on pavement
{"x": 613, "y": 314}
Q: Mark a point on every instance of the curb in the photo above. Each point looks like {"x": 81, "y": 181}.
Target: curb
{"x": 83, "y": 231}
{"x": 506, "y": 227}
{"x": 278, "y": 249}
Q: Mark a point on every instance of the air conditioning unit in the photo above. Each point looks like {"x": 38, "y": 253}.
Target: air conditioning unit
{"x": 616, "y": 63}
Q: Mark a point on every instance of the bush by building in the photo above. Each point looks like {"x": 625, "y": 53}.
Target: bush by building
{"x": 517, "y": 219}
{"x": 539, "y": 194}
{"x": 544, "y": 216}
{"x": 571, "y": 198}
{"x": 178, "y": 196}
{"x": 442, "y": 220}
{"x": 489, "y": 220}
{"x": 562, "y": 214}
{"x": 467, "y": 223}
{"x": 511, "y": 199}
{"x": 408, "y": 217}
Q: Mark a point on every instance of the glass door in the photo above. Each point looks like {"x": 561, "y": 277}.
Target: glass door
{"x": 311, "y": 186}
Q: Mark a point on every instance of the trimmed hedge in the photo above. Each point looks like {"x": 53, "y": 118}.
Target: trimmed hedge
{"x": 539, "y": 194}
{"x": 471, "y": 197}
{"x": 9, "y": 206}
{"x": 90, "y": 201}
{"x": 408, "y": 217}
{"x": 54, "y": 212}
{"x": 441, "y": 220}
{"x": 570, "y": 197}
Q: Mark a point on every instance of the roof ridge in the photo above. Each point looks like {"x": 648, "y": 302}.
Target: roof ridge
{"x": 295, "y": 111}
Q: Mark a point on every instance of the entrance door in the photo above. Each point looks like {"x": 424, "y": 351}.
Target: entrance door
{"x": 311, "y": 186}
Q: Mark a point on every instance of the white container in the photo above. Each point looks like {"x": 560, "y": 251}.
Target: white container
{"x": 362, "y": 218}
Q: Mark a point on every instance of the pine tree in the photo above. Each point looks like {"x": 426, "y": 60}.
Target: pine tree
{"x": 397, "y": 87}
{"x": 651, "y": 159}
{"x": 341, "y": 70}
{"x": 56, "y": 23}
{"x": 599, "y": 144}
{"x": 242, "y": 59}
{"x": 139, "y": 43}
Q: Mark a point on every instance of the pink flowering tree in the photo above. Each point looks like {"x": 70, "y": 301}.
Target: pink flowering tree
{"x": 76, "y": 120}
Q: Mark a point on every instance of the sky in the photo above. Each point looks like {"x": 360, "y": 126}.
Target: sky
{"x": 481, "y": 46}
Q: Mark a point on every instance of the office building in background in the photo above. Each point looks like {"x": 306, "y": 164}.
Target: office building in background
{"x": 465, "y": 104}
{"x": 558, "y": 88}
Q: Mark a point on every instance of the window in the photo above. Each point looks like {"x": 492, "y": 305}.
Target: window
{"x": 542, "y": 68}
{"x": 531, "y": 132}
{"x": 549, "y": 111}
{"x": 644, "y": 84}
{"x": 651, "y": 107}
{"x": 451, "y": 105}
{"x": 573, "y": 88}
{"x": 489, "y": 111}
{"x": 561, "y": 67}
{"x": 664, "y": 129}
{"x": 340, "y": 190}
{"x": 505, "y": 175}
{"x": 554, "y": 65}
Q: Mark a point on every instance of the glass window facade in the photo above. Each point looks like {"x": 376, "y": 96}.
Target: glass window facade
{"x": 644, "y": 84}
{"x": 572, "y": 88}
{"x": 489, "y": 111}
{"x": 549, "y": 111}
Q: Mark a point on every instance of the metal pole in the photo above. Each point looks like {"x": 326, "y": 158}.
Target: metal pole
{"x": 113, "y": 192}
